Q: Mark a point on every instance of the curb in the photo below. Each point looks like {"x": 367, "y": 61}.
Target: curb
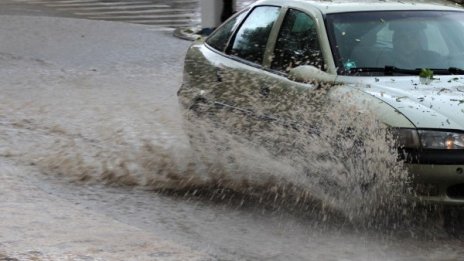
{"x": 192, "y": 33}
{"x": 188, "y": 33}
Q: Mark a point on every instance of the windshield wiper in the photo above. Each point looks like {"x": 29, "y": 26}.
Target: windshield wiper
{"x": 387, "y": 70}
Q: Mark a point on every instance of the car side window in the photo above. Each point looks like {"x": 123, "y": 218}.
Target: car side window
{"x": 219, "y": 38}
{"x": 297, "y": 43}
{"x": 251, "y": 39}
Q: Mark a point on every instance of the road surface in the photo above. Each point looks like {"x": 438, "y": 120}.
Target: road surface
{"x": 90, "y": 130}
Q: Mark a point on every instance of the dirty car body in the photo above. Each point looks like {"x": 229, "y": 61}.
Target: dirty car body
{"x": 376, "y": 50}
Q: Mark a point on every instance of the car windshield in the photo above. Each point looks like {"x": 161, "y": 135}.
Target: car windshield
{"x": 397, "y": 42}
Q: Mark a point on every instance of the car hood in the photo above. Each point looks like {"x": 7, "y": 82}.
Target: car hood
{"x": 439, "y": 104}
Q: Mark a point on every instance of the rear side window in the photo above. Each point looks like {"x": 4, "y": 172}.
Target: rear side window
{"x": 297, "y": 43}
{"x": 251, "y": 39}
{"x": 218, "y": 40}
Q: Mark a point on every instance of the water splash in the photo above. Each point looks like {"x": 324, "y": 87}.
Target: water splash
{"x": 341, "y": 157}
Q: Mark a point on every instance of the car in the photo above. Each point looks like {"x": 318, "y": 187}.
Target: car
{"x": 401, "y": 61}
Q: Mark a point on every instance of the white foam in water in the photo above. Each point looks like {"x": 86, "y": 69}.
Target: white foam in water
{"x": 267, "y": 160}
{"x": 347, "y": 161}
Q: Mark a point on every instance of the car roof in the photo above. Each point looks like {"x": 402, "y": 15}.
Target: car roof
{"x": 341, "y": 6}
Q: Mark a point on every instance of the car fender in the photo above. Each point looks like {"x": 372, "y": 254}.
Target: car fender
{"x": 365, "y": 103}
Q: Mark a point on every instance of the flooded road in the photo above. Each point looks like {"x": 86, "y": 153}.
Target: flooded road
{"x": 90, "y": 129}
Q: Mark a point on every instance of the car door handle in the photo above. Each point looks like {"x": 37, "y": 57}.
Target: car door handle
{"x": 264, "y": 91}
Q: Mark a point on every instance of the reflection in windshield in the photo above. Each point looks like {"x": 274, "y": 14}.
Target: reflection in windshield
{"x": 400, "y": 39}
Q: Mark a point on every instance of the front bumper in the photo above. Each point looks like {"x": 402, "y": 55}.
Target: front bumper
{"x": 438, "y": 183}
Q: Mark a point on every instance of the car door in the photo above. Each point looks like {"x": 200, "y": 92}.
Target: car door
{"x": 230, "y": 75}
{"x": 263, "y": 102}
{"x": 294, "y": 107}
{"x": 243, "y": 73}
{"x": 297, "y": 44}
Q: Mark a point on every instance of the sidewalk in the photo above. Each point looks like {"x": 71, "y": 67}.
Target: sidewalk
{"x": 188, "y": 33}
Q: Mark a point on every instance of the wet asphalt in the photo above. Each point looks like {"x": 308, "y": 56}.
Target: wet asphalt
{"x": 75, "y": 92}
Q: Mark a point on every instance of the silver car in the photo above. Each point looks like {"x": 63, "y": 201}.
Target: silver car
{"x": 403, "y": 61}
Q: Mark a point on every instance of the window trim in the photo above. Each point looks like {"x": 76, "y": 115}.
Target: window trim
{"x": 272, "y": 40}
{"x": 228, "y": 49}
{"x": 329, "y": 28}
{"x": 319, "y": 39}
{"x": 234, "y": 28}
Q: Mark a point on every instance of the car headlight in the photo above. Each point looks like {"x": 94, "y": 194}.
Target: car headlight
{"x": 441, "y": 139}
{"x": 428, "y": 139}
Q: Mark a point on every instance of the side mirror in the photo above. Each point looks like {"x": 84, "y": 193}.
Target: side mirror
{"x": 310, "y": 74}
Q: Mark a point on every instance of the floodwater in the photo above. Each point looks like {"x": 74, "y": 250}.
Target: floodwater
{"x": 96, "y": 165}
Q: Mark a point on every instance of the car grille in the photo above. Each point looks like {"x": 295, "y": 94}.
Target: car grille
{"x": 456, "y": 191}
